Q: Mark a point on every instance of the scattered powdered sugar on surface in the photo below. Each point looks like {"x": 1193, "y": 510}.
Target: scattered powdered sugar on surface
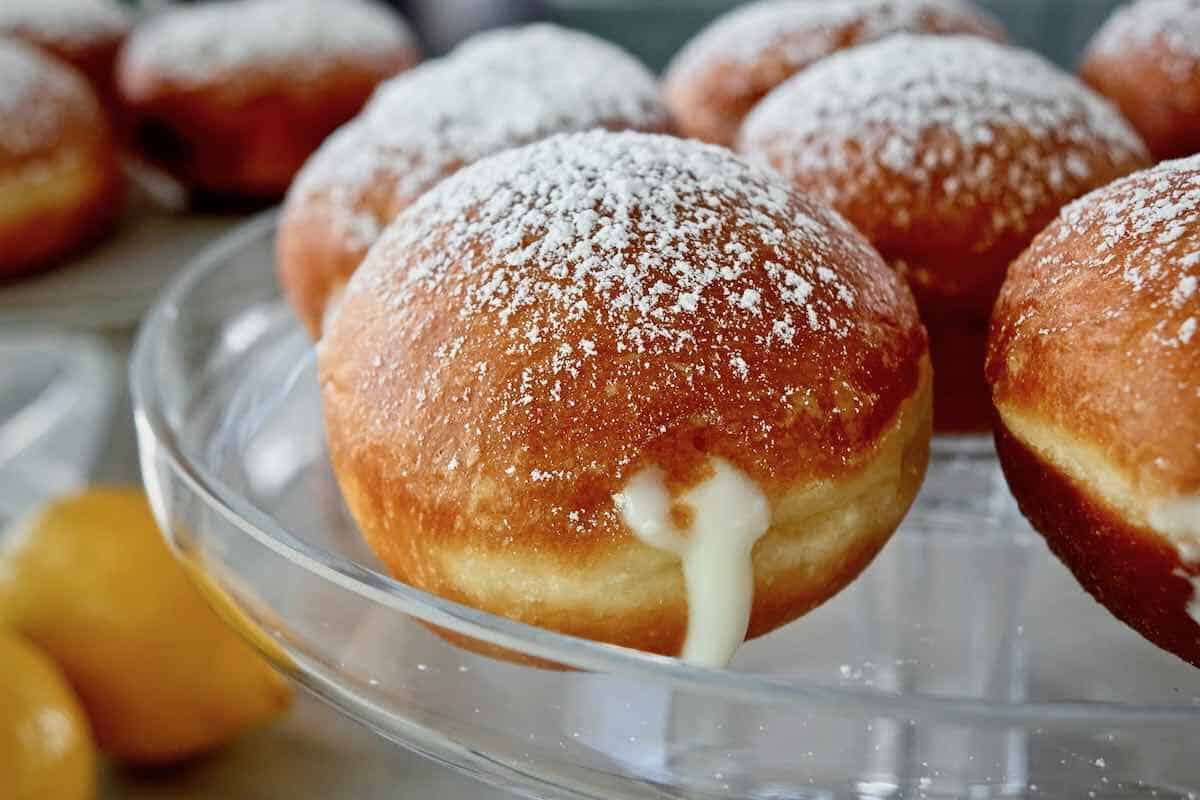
{"x": 34, "y": 91}
{"x": 498, "y": 90}
{"x": 591, "y": 257}
{"x": 888, "y": 100}
{"x": 1153, "y": 220}
{"x": 197, "y": 43}
{"x": 67, "y": 21}
{"x": 1148, "y": 227}
{"x": 802, "y": 31}
{"x": 1173, "y": 25}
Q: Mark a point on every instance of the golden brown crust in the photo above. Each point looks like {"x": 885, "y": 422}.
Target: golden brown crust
{"x": 316, "y": 256}
{"x": 244, "y": 126}
{"x": 313, "y": 262}
{"x": 252, "y": 147}
{"x": 60, "y": 180}
{"x": 1095, "y": 330}
{"x": 624, "y": 592}
{"x": 738, "y": 59}
{"x": 1145, "y": 60}
{"x": 748, "y": 323}
{"x": 1133, "y": 571}
{"x": 1094, "y": 363}
{"x": 817, "y": 545}
{"x": 948, "y": 153}
{"x": 498, "y": 90}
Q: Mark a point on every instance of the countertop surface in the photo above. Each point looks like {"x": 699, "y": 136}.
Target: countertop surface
{"x": 311, "y": 753}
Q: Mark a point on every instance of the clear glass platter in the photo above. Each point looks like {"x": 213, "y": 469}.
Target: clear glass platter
{"x": 966, "y": 662}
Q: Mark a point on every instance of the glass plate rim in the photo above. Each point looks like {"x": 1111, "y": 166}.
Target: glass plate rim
{"x": 157, "y": 437}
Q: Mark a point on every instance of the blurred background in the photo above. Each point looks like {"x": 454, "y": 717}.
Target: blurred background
{"x": 656, "y": 29}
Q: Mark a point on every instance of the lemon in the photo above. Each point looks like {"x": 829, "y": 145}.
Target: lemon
{"x": 45, "y": 745}
{"x": 90, "y": 580}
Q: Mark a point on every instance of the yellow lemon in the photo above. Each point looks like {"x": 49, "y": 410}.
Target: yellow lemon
{"x": 45, "y": 745}
{"x": 90, "y": 580}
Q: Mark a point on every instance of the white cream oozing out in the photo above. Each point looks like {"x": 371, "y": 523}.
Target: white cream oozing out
{"x": 1194, "y": 606}
{"x": 1179, "y": 521}
{"x": 729, "y": 514}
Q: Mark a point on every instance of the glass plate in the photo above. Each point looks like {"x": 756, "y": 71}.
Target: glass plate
{"x": 966, "y": 662}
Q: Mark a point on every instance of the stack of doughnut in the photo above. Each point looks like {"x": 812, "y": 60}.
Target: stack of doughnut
{"x": 627, "y": 387}
{"x": 87, "y": 34}
{"x": 232, "y": 97}
{"x": 949, "y": 153}
{"x": 60, "y": 182}
{"x": 1146, "y": 59}
{"x": 498, "y": 90}
{"x": 737, "y": 60}
{"x": 1094, "y": 363}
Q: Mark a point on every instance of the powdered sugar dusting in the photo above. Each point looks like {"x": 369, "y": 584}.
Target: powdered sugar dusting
{"x": 798, "y": 32}
{"x": 588, "y": 267}
{"x": 1172, "y": 27}
{"x": 34, "y": 95}
{"x": 1185, "y": 289}
{"x": 1148, "y": 243}
{"x": 497, "y": 91}
{"x": 67, "y": 21}
{"x": 197, "y": 43}
{"x": 1186, "y": 331}
{"x": 887, "y": 102}
{"x": 570, "y": 208}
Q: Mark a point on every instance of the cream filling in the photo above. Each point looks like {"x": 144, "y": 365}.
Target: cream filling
{"x": 1179, "y": 521}
{"x": 729, "y": 513}
{"x": 1193, "y": 608}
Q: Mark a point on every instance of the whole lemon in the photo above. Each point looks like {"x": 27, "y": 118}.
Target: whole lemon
{"x": 45, "y": 745}
{"x": 90, "y": 580}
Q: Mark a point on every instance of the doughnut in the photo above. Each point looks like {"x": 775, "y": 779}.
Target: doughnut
{"x": 498, "y": 90}
{"x": 627, "y": 387}
{"x": 87, "y": 34}
{"x": 949, "y": 153}
{"x": 232, "y": 97}
{"x": 1145, "y": 60}
{"x": 1094, "y": 365}
{"x": 737, "y": 60}
{"x": 60, "y": 182}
